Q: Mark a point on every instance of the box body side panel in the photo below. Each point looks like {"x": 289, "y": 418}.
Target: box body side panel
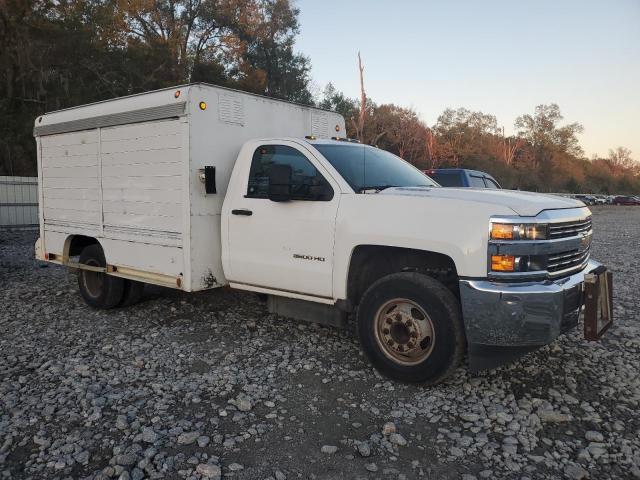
{"x": 124, "y": 186}
{"x": 132, "y": 184}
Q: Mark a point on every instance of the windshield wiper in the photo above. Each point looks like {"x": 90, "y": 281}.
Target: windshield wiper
{"x": 376, "y": 188}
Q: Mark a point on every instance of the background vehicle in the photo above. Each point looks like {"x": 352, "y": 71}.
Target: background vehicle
{"x": 586, "y": 199}
{"x": 199, "y": 187}
{"x": 461, "y": 177}
{"x": 625, "y": 200}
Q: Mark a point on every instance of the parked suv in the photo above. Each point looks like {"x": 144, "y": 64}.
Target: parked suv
{"x": 461, "y": 177}
{"x": 624, "y": 200}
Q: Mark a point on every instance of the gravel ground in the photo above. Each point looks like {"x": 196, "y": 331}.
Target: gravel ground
{"x": 208, "y": 385}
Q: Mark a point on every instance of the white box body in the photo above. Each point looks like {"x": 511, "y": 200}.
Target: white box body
{"x": 126, "y": 172}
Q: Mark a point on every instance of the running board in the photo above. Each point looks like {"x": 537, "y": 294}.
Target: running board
{"x": 323, "y": 314}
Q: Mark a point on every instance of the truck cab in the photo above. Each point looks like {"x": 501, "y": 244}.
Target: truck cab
{"x": 358, "y": 227}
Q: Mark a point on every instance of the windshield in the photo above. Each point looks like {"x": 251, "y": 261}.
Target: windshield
{"x": 368, "y": 168}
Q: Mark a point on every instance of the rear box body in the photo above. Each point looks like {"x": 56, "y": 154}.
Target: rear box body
{"x": 126, "y": 172}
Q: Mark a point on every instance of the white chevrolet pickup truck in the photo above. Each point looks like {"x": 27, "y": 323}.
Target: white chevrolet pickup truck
{"x": 198, "y": 187}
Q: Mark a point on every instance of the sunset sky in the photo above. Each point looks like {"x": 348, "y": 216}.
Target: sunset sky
{"x": 500, "y": 57}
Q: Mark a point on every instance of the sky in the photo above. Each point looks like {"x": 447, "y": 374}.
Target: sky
{"x": 499, "y": 57}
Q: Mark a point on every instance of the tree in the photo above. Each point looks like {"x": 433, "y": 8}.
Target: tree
{"x": 47, "y": 61}
{"x": 334, "y": 100}
{"x": 189, "y": 33}
{"x": 57, "y": 54}
{"x": 508, "y": 148}
{"x": 621, "y": 162}
{"x": 542, "y": 131}
{"x": 463, "y": 129}
{"x": 266, "y": 63}
{"x": 399, "y": 130}
{"x": 431, "y": 148}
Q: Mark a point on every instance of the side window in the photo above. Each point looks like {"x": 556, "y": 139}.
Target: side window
{"x": 307, "y": 182}
{"x": 448, "y": 179}
{"x": 476, "y": 182}
{"x": 490, "y": 183}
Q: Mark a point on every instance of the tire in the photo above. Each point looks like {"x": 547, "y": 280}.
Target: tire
{"x": 99, "y": 290}
{"x": 418, "y": 315}
{"x": 132, "y": 293}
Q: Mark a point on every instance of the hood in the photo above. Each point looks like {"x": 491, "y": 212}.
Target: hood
{"x": 525, "y": 204}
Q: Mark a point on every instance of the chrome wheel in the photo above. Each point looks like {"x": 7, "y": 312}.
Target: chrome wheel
{"x": 404, "y": 332}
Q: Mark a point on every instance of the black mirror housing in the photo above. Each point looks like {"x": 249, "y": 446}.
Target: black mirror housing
{"x": 210, "y": 179}
{"x": 280, "y": 182}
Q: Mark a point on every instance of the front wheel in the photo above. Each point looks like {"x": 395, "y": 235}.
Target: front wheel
{"x": 411, "y": 328}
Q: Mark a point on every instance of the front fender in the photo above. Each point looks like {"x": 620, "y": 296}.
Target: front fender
{"x": 455, "y": 228}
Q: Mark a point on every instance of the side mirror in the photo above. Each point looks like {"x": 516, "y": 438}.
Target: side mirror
{"x": 280, "y": 183}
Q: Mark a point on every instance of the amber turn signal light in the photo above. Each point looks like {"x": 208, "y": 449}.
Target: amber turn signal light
{"x": 503, "y": 263}
{"x": 501, "y": 231}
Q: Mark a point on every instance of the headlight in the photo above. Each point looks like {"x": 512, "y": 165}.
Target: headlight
{"x": 518, "y": 231}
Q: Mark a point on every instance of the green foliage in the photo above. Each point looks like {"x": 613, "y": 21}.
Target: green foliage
{"x": 542, "y": 132}
{"x": 55, "y": 55}
{"x": 334, "y": 100}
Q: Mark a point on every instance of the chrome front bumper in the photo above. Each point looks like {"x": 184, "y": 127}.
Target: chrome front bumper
{"x": 527, "y": 314}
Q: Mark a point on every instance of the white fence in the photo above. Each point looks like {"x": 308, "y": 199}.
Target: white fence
{"x": 18, "y": 202}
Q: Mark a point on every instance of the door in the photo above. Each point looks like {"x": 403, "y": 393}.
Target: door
{"x": 287, "y": 245}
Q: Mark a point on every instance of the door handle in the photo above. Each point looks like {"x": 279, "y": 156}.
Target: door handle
{"x": 246, "y": 213}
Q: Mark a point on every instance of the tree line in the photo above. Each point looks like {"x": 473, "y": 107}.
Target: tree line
{"x": 61, "y": 53}
{"x": 544, "y": 155}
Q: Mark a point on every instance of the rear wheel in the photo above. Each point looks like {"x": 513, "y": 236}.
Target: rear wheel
{"x": 132, "y": 293}
{"x": 411, "y": 328}
{"x": 98, "y": 289}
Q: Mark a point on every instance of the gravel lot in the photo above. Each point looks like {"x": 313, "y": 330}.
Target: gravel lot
{"x": 210, "y": 384}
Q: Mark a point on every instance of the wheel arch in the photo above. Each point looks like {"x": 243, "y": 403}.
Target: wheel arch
{"x": 369, "y": 263}
{"x": 74, "y": 244}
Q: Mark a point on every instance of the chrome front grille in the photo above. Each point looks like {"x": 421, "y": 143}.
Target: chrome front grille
{"x": 569, "y": 229}
{"x": 562, "y": 251}
{"x": 567, "y": 260}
